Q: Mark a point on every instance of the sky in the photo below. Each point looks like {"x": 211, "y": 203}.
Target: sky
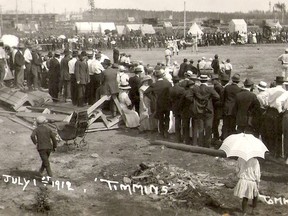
{"x": 59, "y": 6}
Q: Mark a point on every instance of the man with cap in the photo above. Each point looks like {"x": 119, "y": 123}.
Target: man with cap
{"x": 272, "y": 135}
{"x": 229, "y": 114}
{"x": 159, "y": 92}
{"x": 247, "y": 107}
{"x": 90, "y": 90}
{"x": 19, "y": 64}
{"x": 54, "y": 76}
{"x": 73, "y": 83}
{"x": 217, "y": 106}
{"x": 122, "y": 77}
{"x": 284, "y": 60}
{"x": 82, "y": 79}
{"x": 135, "y": 82}
{"x": 65, "y": 76}
{"x": 45, "y": 141}
{"x": 204, "y": 117}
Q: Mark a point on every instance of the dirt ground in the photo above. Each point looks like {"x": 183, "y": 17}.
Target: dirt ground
{"x": 113, "y": 155}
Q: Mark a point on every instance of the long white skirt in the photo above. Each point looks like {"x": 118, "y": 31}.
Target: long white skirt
{"x": 246, "y": 188}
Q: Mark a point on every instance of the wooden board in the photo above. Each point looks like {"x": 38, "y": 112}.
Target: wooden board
{"x": 97, "y": 104}
{"x": 51, "y": 117}
{"x": 13, "y": 97}
{"x": 100, "y": 126}
{"x": 37, "y": 98}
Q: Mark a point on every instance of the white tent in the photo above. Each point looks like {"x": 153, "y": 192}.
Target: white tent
{"x": 195, "y": 30}
{"x": 109, "y": 25}
{"x": 95, "y": 27}
{"x": 238, "y": 25}
{"x": 120, "y": 29}
{"x": 130, "y": 27}
{"x": 147, "y": 29}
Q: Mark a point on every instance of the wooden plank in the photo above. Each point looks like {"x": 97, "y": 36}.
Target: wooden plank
{"x": 14, "y": 98}
{"x": 106, "y": 122}
{"x": 50, "y": 117}
{"x": 95, "y": 117}
{"x": 53, "y": 110}
{"x": 100, "y": 126}
{"x": 97, "y": 104}
{"x": 114, "y": 121}
{"x": 21, "y": 122}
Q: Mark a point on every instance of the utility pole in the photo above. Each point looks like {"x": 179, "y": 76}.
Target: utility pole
{"x": 31, "y": 6}
{"x": 44, "y": 8}
{"x": 16, "y": 14}
{"x": 184, "y": 19}
{"x": 1, "y": 20}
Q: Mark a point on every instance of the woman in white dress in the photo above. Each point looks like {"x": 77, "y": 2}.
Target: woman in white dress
{"x": 132, "y": 119}
{"x": 147, "y": 122}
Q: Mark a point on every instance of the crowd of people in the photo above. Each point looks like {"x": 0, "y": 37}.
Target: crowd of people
{"x": 200, "y": 96}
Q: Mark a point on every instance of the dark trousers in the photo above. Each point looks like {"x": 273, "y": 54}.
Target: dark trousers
{"x": 2, "y": 71}
{"x": 81, "y": 94}
{"x": 272, "y": 132}
{"x": 178, "y": 127}
{"x": 44, "y": 155}
{"x": 285, "y": 133}
{"x": 27, "y": 72}
{"x": 95, "y": 82}
{"x": 163, "y": 118}
{"x": 229, "y": 125}
{"x": 186, "y": 129}
{"x": 74, "y": 94}
{"x": 67, "y": 89}
{"x": 204, "y": 130}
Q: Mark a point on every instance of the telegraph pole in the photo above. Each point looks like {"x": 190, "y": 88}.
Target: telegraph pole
{"x": 184, "y": 19}
{"x": 1, "y": 20}
{"x": 31, "y": 6}
{"x": 16, "y": 13}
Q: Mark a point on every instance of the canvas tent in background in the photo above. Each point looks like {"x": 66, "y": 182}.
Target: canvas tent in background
{"x": 238, "y": 25}
{"x": 147, "y": 29}
{"x": 107, "y": 26}
{"x": 195, "y": 30}
{"x": 94, "y": 27}
{"x": 272, "y": 24}
{"x": 120, "y": 29}
{"x": 133, "y": 27}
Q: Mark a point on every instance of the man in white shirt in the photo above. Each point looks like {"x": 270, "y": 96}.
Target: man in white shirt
{"x": 284, "y": 60}
{"x": 272, "y": 135}
{"x": 122, "y": 77}
{"x": 228, "y": 67}
{"x": 95, "y": 69}
{"x": 73, "y": 83}
{"x": 202, "y": 63}
{"x": 28, "y": 58}
{"x": 168, "y": 55}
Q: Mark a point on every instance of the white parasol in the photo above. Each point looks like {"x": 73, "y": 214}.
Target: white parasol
{"x": 62, "y": 37}
{"x": 243, "y": 145}
{"x": 10, "y": 40}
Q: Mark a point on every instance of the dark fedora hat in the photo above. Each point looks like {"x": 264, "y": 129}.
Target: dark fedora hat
{"x": 279, "y": 79}
{"x": 236, "y": 77}
{"x": 248, "y": 82}
{"x": 225, "y": 77}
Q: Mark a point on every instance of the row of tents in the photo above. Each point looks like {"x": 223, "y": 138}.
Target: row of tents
{"x": 235, "y": 25}
{"x": 101, "y": 27}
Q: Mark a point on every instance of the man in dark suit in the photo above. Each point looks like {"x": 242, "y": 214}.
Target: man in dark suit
{"x": 204, "y": 128}
{"x": 116, "y": 54}
{"x": 183, "y": 68}
{"x": 217, "y": 105}
{"x": 54, "y": 76}
{"x": 36, "y": 67}
{"x": 19, "y": 62}
{"x": 176, "y": 93}
{"x": 160, "y": 90}
{"x": 134, "y": 83}
{"x": 246, "y": 104}
{"x": 216, "y": 65}
{"x": 229, "y": 113}
{"x": 191, "y": 67}
{"x": 65, "y": 76}
{"x": 82, "y": 78}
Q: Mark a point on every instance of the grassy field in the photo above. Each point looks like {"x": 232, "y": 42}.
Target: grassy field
{"x": 263, "y": 58}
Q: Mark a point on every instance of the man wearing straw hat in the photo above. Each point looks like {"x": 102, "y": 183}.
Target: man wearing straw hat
{"x": 45, "y": 141}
